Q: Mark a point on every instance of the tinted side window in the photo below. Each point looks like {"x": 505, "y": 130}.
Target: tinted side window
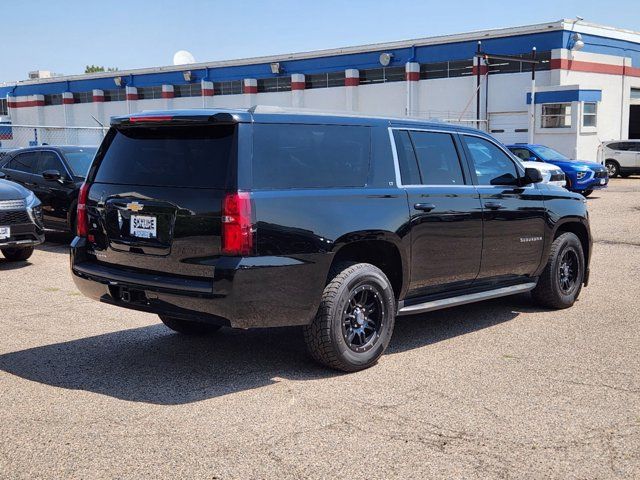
{"x": 192, "y": 156}
{"x": 310, "y": 156}
{"x": 406, "y": 158}
{"x": 522, "y": 153}
{"x": 492, "y": 165}
{"x": 50, "y": 161}
{"x": 437, "y": 158}
{"x": 635, "y": 146}
{"x": 25, "y": 162}
{"x": 618, "y": 146}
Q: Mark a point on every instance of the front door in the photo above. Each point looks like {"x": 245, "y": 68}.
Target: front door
{"x": 446, "y": 216}
{"x": 54, "y": 194}
{"x": 513, "y": 215}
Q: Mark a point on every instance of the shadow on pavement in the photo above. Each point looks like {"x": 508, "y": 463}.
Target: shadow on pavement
{"x": 6, "y": 265}
{"x": 153, "y": 365}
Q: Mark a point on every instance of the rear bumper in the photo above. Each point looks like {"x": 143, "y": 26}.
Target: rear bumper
{"x": 23, "y": 235}
{"x": 245, "y": 292}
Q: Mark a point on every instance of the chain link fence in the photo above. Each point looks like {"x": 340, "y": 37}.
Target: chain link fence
{"x": 20, "y": 136}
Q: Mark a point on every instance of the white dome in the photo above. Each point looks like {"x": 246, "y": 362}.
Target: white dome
{"x": 183, "y": 57}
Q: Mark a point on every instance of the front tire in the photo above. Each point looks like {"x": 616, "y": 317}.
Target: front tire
{"x": 562, "y": 278}
{"x": 17, "y": 254}
{"x": 613, "y": 168}
{"x": 355, "y": 320}
{"x": 187, "y": 327}
{"x": 586, "y": 193}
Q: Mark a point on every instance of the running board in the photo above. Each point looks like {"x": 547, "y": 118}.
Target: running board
{"x": 464, "y": 299}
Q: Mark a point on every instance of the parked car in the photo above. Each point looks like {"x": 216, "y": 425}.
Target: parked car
{"x": 21, "y": 226}
{"x": 550, "y": 173}
{"x": 55, "y": 175}
{"x": 265, "y": 218}
{"x": 621, "y": 158}
{"x": 582, "y": 176}
{"x": 4, "y": 152}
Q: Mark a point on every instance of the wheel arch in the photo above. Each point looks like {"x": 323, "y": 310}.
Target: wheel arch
{"x": 381, "y": 249}
{"x": 579, "y": 229}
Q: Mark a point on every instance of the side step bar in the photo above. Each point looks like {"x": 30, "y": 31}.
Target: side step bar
{"x": 464, "y": 299}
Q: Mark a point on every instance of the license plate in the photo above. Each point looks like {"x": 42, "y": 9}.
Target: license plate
{"x": 143, "y": 226}
{"x": 603, "y": 181}
{"x": 5, "y": 232}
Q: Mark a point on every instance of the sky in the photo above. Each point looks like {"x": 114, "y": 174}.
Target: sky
{"x": 64, "y": 36}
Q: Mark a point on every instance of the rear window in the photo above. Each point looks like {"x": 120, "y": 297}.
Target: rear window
{"x": 310, "y": 156}
{"x": 172, "y": 156}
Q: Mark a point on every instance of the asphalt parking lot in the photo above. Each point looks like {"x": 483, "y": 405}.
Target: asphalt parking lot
{"x": 500, "y": 389}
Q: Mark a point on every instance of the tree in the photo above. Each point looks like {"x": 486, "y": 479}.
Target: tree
{"x": 97, "y": 68}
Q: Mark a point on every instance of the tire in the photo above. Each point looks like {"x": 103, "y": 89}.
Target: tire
{"x": 344, "y": 335}
{"x": 586, "y": 193}
{"x": 613, "y": 168}
{"x": 552, "y": 291}
{"x": 187, "y": 327}
{"x": 17, "y": 254}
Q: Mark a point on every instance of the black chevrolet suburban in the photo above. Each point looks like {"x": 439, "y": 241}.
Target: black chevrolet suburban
{"x": 267, "y": 217}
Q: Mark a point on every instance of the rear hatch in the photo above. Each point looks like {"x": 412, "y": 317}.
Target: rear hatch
{"x": 156, "y": 196}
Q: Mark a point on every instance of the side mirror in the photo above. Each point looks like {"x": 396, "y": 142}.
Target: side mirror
{"x": 51, "y": 175}
{"x": 531, "y": 175}
{"x": 532, "y": 159}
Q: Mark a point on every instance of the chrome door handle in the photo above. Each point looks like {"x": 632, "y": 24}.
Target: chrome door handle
{"x": 493, "y": 205}
{"x": 425, "y": 207}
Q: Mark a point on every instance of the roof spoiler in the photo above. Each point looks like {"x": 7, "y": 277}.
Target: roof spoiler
{"x": 168, "y": 118}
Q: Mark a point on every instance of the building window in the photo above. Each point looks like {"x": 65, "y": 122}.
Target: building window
{"x": 232, "y": 87}
{"x": 275, "y": 84}
{"x": 323, "y": 80}
{"x": 189, "y": 90}
{"x": 115, "y": 95}
{"x": 82, "y": 97}
{"x": 589, "y": 114}
{"x": 53, "y": 99}
{"x": 382, "y": 75}
{"x": 4, "y": 110}
{"x": 556, "y": 115}
{"x": 147, "y": 93}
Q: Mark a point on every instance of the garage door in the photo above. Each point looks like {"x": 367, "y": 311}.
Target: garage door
{"x": 512, "y": 127}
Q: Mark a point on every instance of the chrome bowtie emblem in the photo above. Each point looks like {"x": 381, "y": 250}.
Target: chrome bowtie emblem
{"x": 134, "y": 206}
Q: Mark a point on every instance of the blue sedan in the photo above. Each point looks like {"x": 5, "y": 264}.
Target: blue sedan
{"x": 582, "y": 176}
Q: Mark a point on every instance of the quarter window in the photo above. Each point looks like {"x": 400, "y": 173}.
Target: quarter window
{"x": 437, "y": 158}
{"x": 310, "y": 156}
{"x": 492, "y": 165}
{"x": 589, "y": 114}
{"x": 556, "y": 115}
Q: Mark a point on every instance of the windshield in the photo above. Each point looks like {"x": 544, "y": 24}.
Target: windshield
{"x": 546, "y": 153}
{"x": 79, "y": 159}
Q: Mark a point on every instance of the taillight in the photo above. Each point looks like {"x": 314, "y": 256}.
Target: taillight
{"x": 237, "y": 235}
{"x": 82, "y": 221}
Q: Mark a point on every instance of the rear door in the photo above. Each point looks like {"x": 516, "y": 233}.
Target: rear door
{"x": 446, "y": 215}
{"x": 624, "y": 154}
{"x": 156, "y": 196}
{"x": 513, "y": 216}
{"x": 21, "y": 168}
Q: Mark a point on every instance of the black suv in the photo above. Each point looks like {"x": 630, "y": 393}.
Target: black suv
{"x": 265, "y": 218}
{"x": 55, "y": 175}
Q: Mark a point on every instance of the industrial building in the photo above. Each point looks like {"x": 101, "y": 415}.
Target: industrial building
{"x": 587, "y": 85}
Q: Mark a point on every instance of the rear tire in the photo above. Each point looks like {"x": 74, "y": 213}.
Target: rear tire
{"x": 562, "y": 278}
{"x": 187, "y": 327}
{"x": 355, "y": 320}
{"x": 613, "y": 168}
{"x": 17, "y": 254}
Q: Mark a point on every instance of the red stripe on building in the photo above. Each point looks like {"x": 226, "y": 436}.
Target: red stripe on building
{"x": 298, "y": 85}
{"x": 412, "y": 76}
{"x": 351, "y": 81}
{"x": 132, "y": 96}
{"x": 68, "y": 100}
{"x": 167, "y": 94}
{"x": 207, "y": 92}
{"x": 98, "y": 98}
{"x": 250, "y": 89}
{"x": 593, "y": 67}
{"x": 483, "y": 69}
{"x": 26, "y": 103}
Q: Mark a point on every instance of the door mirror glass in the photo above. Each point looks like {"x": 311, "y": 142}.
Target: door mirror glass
{"x": 51, "y": 175}
{"x": 531, "y": 175}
